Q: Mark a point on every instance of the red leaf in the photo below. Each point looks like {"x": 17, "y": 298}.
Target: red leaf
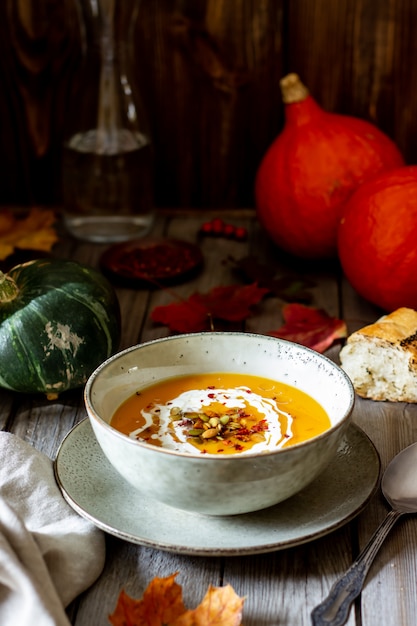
{"x": 182, "y": 317}
{"x": 231, "y": 303}
{"x": 310, "y": 327}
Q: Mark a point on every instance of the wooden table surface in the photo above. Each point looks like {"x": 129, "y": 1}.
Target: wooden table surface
{"x": 282, "y": 587}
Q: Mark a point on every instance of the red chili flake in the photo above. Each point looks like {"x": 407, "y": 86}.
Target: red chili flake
{"x": 237, "y": 446}
{"x": 150, "y": 260}
{"x": 260, "y": 426}
{"x": 243, "y": 434}
{"x": 160, "y": 261}
{"x": 211, "y": 387}
{"x": 211, "y": 395}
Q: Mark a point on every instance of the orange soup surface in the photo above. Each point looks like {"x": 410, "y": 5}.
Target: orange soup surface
{"x": 221, "y": 413}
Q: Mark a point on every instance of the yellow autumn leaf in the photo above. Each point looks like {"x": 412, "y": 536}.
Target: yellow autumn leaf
{"x": 221, "y": 606}
{"x": 35, "y": 231}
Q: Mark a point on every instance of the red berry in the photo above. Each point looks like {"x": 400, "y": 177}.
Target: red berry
{"x": 241, "y": 233}
{"x": 207, "y": 228}
{"x": 217, "y": 225}
{"x": 229, "y": 230}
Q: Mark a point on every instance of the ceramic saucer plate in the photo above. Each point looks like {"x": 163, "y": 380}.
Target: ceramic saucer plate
{"x": 96, "y": 491}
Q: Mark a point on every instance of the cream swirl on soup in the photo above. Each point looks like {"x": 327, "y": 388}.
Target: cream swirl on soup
{"x": 236, "y": 415}
{"x": 220, "y": 413}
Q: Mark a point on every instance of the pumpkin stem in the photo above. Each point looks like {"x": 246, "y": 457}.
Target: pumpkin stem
{"x": 8, "y": 288}
{"x": 292, "y": 89}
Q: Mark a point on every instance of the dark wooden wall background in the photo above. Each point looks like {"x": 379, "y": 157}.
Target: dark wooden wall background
{"x": 209, "y": 72}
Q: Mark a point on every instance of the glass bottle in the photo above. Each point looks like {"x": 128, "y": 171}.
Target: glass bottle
{"x": 107, "y": 173}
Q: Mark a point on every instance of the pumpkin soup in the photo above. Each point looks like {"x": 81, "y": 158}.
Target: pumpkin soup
{"x": 221, "y": 413}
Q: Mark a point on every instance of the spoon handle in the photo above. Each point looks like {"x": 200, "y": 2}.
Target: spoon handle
{"x": 334, "y": 610}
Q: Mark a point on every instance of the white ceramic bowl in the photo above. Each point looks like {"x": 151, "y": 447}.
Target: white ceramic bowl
{"x": 225, "y": 484}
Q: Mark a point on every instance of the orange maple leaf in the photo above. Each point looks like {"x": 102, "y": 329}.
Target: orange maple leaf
{"x": 310, "y": 327}
{"x": 33, "y": 232}
{"x": 162, "y": 605}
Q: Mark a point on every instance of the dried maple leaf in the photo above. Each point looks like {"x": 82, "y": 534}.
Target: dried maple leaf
{"x": 33, "y": 232}
{"x": 310, "y": 327}
{"x": 221, "y": 606}
{"x": 162, "y": 605}
{"x": 230, "y": 303}
{"x": 287, "y": 285}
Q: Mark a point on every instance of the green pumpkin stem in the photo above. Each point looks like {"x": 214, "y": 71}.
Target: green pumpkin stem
{"x": 8, "y": 289}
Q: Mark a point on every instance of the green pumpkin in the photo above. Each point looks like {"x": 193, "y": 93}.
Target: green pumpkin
{"x": 58, "y": 321}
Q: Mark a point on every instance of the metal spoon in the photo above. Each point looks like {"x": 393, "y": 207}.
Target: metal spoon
{"x": 399, "y": 486}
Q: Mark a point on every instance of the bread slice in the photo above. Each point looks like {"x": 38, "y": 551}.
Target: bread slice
{"x": 381, "y": 359}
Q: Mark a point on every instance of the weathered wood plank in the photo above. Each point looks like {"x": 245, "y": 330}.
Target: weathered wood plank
{"x": 391, "y": 427}
{"x": 39, "y": 52}
{"x": 209, "y": 76}
{"x": 7, "y": 404}
{"x": 133, "y": 569}
{"x": 284, "y": 586}
{"x": 353, "y": 57}
{"x": 44, "y": 423}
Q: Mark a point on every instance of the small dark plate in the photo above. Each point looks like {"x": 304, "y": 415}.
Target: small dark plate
{"x": 147, "y": 262}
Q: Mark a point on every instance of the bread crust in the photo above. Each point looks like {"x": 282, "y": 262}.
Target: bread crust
{"x": 381, "y": 358}
{"x": 400, "y": 326}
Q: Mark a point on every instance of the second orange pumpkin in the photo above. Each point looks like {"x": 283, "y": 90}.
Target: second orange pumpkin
{"x": 377, "y": 239}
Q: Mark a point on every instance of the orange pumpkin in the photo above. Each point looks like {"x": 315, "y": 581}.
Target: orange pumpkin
{"x": 377, "y": 239}
{"x": 311, "y": 169}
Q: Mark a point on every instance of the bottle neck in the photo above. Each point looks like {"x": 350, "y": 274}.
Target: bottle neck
{"x": 109, "y": 114}
{"x": 108, "y": 27}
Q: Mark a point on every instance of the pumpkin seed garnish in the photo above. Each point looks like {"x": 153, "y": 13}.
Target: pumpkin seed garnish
{"x": 195, "y": 432}
{"x": 202, "y": 427}
{"x": 208, "y": 434}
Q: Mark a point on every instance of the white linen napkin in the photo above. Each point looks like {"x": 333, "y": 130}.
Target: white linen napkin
{"x": 48, "y": 553}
